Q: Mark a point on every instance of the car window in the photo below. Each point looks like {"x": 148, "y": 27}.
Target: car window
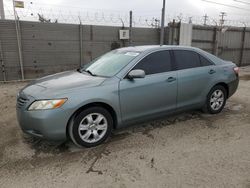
{"x": 186, "y": 59}
{"x": 110, "y": 63}
{"x": 156, "y": 62}
{"x": 205, "y": 61}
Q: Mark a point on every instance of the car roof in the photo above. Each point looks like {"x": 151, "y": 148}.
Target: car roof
{"x": 154, "y": 47}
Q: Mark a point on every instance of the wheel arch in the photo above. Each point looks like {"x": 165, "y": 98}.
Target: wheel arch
{"x": 224, "y": 85}
{"x": 106, "y": 106}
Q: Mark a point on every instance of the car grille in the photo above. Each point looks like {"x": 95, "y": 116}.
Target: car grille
{"x": 21, "y": 101}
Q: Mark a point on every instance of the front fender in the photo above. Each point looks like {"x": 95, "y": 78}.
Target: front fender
{"x": 107, "y": 94}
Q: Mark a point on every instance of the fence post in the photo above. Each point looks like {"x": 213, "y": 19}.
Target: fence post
{"x": 242, "y": 46}
{"x": 215, "y": 42}
{"x": 80, "y": 38}
{"x": 2, "y": 62}
{"x": 19, "y": 44}
{"x": 19, "y": 41}
{"x": 2, "y": 14}
{"x": 179, "y": 32}
{"x": 130, "y": 27}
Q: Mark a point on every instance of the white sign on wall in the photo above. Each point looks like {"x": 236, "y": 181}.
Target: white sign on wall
{"x": 124, "y": 34}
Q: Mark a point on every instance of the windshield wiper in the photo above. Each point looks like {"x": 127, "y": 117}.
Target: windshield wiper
{"x": 88, "y": 71}
{"x": 79, "y": 70}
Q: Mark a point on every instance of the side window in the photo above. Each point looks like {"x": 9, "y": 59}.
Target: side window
{"x": 205, "y": 61}
{"x": 186, "y": 59}
{"x": 156, "y": 62}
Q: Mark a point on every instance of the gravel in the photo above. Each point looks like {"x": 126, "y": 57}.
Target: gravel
{"x": 191, "y": 149}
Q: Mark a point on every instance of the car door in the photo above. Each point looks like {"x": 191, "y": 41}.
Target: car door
{"x": 155, "y": 93}
{"x": 194, "y": 75}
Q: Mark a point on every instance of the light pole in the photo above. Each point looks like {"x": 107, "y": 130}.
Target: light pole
{"x": 162, "y": 23}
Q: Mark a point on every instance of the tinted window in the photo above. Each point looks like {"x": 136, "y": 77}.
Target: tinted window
{"x": 186, "y": 59}
{"x": 205, "y": 61}
{"x": 156, "y": 62}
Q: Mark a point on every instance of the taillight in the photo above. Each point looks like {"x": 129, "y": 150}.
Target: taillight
{"x": 236, "y": 70}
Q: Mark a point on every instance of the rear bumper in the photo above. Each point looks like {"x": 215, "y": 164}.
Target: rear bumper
{"x": 232, "y": 86}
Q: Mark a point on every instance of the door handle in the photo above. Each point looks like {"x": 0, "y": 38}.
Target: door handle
{"x": 171, "y": 79}
{"x": 212, "y": 71}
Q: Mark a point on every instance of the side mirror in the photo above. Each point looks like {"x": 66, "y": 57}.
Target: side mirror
{"x": 137, "y": 73}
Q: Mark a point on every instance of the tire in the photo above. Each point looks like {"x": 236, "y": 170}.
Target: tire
{"x": 91, "y": 127}
{"x": 216, "y": 100}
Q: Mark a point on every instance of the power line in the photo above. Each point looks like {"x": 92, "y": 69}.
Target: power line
{"x": 226, "y": 5}
{"x": 244, "y": 2}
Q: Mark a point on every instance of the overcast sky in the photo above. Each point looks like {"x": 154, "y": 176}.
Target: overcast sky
{"x": 195, "y": 8}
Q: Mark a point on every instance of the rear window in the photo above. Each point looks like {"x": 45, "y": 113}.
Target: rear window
{"x": 205, "y": 61}
{"x": 186, "y": 59}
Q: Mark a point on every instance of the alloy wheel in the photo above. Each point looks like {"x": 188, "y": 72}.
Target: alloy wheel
{"x": 93, "y": 127}
{"x": 217, "y": 99}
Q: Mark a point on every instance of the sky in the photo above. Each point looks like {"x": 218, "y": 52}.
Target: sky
{"x": 141, "y": 8}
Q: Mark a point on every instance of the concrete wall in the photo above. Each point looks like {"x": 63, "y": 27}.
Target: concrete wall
{"x": 48, "y": 48}
{"x": 228, "y": 43}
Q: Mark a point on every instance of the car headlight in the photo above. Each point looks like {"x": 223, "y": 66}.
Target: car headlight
{"x": 47, "y": 104}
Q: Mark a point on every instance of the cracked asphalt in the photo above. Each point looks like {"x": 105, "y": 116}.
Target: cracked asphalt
{"x": 191, "y": 149}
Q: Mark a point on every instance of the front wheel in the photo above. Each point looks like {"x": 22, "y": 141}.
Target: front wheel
{"x": 216, "y": 100}
{"x": 91, "y": 127}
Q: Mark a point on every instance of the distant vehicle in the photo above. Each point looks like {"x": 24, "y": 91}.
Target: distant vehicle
{"x": 125, "y": 86}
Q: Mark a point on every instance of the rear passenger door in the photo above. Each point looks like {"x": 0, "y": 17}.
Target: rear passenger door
{"x": 194, "y": 75}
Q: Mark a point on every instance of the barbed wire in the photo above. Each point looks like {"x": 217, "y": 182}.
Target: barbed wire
{"x": 75, "y": 15}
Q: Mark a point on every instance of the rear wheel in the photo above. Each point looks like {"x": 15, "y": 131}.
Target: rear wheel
{"x": 91, "y": 127}
{"x": 216, "y": 100}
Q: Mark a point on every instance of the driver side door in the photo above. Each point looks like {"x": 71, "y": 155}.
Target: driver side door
{"x": 156, "y": 93}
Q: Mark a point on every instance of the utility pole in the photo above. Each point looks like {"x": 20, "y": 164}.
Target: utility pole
{"x": 222, "y": 20}
{"x": 205, "y": 19}
{"x": 162, "y": 23}
{"x": 130, "y": 27}
{"x": 190, "y": 20}
{"x": 2, "y": 15}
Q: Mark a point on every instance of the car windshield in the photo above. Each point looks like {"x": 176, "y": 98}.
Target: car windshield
{"x": 110, "y": 63}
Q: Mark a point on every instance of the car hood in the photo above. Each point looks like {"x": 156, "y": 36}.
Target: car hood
{"x": 60, "y": 83}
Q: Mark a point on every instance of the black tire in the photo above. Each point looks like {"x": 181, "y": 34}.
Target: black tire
{"x": 74, "y": 132}
{"x": 208, "y": 106}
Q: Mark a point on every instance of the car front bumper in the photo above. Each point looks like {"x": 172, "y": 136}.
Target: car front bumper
{"x": 46, "y": 124}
